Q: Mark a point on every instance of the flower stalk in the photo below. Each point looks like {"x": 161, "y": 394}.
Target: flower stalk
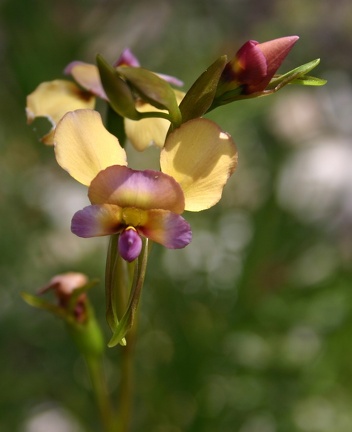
{"x": 76, "y": 311}
{"x": 122, "y": 278}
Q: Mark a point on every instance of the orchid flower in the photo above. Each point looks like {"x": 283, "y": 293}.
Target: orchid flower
{"x": 134, "y": 203}
{"x": 54, "y": 99}
{"x": 129, "y": 205}
{"x": 196, "y": 162}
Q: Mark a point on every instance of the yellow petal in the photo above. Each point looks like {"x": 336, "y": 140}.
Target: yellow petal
{"x": 83, "y": 147}
{"x": 201, "y": 158}
{"x": 149, "y": 131}
{"x": 146, "y": 132}
{"x": 53, "y": 99}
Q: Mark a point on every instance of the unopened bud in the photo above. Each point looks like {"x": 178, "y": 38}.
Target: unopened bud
{"x": 64, "y": 286}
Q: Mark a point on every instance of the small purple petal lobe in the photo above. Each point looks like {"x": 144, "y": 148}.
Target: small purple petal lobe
{"x": 171, "y": 79}
{"x": 130, "y": 244}
{"x": 97, "y": 220}
{"x": 70, "y": 66}
{"x": 166, "y": 228}
{"x": 127, "y": 58}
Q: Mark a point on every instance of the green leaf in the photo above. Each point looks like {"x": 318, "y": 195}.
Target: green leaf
{"x": 309, "y": 81}
{"x": 297, "y": 76}
{"x": 200, "y": 96}
{"x": 152, "y": 89}
{"x": 120, "y": 95}
{"x": 40, "y": 303}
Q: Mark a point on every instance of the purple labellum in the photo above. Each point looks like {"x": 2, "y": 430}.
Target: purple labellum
{"x": 130, "y": 244}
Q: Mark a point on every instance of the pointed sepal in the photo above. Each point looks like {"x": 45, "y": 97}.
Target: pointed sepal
{"x": 297, "y": 76}
{"x": 116, "y": 284}
{"x": 200, "y": 96}
{"x": 154, "y": 90}
{"x": 119, "y": 93}
{"x": 128, "y": 318}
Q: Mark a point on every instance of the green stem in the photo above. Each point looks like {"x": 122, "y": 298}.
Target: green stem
{"x": 155, "y": 114}
{"x": 126, "y": 385}
{"x": 100, "y": 388}
{"x": 121, "y": 278}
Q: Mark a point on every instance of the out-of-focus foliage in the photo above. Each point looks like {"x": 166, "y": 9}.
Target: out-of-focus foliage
{"x": 248, "y": 328}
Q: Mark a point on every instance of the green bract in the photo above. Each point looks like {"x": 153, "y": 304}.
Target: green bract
{"x": 115, "y": 285}
{"x": 154, "y": 90}
{"x": 200, "y": 96}
{"x": 298, "y": 76}
{"x": 119, "y": 93}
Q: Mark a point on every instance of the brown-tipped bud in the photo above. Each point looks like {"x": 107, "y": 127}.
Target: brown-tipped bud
{"x": 64, "y": 287}
{"x": 255, "y": 64}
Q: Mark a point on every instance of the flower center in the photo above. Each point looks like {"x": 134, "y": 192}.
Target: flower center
{"x": 134, "y": 217}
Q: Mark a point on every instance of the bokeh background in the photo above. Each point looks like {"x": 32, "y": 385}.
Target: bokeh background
{"x": 249, "y": 328}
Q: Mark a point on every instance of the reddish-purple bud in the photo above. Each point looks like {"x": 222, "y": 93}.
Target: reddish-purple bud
{"x": 130, "y": 244}
{"x": 255, "y": 64}
{"x": 250, "y": 64}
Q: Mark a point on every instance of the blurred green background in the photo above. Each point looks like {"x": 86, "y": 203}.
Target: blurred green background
{"x": 248, "y": 329}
